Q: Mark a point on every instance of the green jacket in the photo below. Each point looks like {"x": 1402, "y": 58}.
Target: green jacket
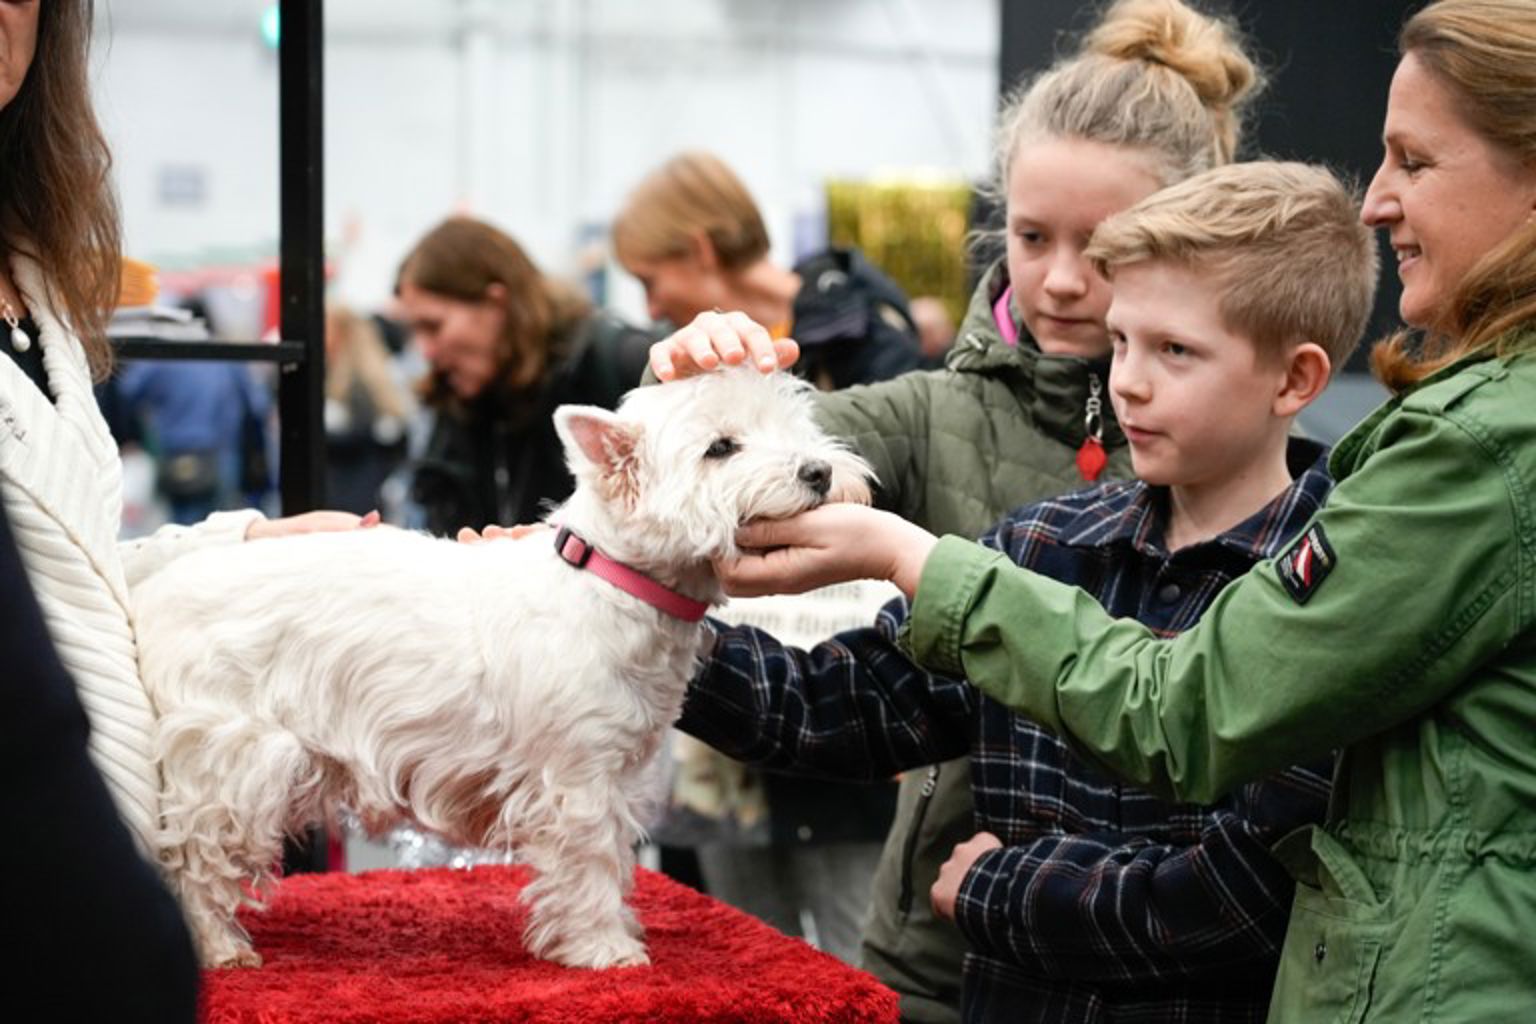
{"x": 955, "y": 449}
{"x": 1398, "y": 627}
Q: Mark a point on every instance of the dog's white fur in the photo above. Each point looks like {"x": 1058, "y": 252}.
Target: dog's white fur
{"x": 489, "y": 692}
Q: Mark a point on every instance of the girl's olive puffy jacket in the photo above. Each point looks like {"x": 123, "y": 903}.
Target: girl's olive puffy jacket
{"x": 955, "y": 449}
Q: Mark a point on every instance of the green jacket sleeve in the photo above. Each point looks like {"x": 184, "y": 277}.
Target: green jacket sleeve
{"x": 886, "y": 423}
{"x": 1427, "y": 538}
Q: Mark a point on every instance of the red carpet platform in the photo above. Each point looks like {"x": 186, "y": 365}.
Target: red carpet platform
{"x": 442, "y": 947}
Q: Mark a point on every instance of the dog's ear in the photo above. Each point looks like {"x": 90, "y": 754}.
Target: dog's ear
{"x": 602, "y": 449}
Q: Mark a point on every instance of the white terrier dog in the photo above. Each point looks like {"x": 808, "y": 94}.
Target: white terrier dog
{"x": 505, "y": 694}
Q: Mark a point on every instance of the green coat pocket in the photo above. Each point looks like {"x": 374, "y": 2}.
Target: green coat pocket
{"x": 1336, "y": 936}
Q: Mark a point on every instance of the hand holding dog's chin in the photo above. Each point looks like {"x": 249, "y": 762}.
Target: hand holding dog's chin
{"x": 831, "y": 544}
{"x": 323, "y": 521}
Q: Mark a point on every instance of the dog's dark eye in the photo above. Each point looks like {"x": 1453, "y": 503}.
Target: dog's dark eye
{"x": 722, "y": 448}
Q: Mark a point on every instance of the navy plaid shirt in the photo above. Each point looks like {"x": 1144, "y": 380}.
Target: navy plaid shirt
{"x": 1105, "y": 903}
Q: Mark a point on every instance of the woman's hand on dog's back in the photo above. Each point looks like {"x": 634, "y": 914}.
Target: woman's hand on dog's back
{"x": 320, "y": 521}
{"x": 469, "y": 535}
{"x": 720, "y": 339}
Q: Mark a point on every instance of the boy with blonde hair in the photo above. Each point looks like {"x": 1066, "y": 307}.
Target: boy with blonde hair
{"x": 1235, "y": 295}
{"x": 1290, "y": 260}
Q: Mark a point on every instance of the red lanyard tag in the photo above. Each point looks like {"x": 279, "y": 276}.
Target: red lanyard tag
{"x": 1091, "y": 459}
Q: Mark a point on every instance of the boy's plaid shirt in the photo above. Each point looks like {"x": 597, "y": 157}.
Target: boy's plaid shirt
{"x": 1105, "y": 903}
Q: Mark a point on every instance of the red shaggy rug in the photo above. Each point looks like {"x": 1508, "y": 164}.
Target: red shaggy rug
{"x": 440, "y": 946}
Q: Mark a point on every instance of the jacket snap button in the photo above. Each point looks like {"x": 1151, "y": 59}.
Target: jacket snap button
{"x": 1320, "y": 952}
{"x": 803, "y": 833}
{"x": 1169, "y": 593}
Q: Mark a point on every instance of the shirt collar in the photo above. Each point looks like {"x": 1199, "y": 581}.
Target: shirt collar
{"x": 1135, "y": 513}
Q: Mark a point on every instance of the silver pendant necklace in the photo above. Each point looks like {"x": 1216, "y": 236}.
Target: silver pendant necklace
{"x": 20, "y": 340}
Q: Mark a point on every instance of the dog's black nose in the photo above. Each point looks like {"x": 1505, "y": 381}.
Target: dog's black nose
{"x": 816, "y": 475}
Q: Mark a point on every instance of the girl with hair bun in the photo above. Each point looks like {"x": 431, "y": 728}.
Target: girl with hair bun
{"x": 1156, "y": 93}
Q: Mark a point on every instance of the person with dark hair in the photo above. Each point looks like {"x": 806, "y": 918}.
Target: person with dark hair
{"x": 505, "y": 344}
{"x": 60, "y": 475}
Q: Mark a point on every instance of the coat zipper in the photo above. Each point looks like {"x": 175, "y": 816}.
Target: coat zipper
{"x": 925, "y": 797}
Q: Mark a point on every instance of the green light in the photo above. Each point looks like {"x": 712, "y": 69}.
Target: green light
{"x": 269, "y": 26}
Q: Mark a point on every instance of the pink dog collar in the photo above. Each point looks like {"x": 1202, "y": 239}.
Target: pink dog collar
{"x": 577, "y": 552}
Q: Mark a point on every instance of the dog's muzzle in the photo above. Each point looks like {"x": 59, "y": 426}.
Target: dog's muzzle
{"x": 816, "y": 475}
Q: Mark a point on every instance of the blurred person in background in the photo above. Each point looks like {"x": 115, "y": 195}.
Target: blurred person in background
{"x": 205, "y": 421}
{"x": 504, "y": 344}
{"x": 368, "y": 409}
{"x": 935, "y": 330}
{"x": 692, "y": 235}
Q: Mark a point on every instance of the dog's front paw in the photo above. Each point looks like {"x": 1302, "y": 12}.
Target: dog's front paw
{"x": 595, "y": 950}
{"x": 236, "y": 959}
{"x": 601, "y": 952}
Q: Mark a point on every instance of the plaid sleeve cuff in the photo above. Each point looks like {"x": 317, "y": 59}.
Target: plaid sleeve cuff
{"x": 973, "y": 910}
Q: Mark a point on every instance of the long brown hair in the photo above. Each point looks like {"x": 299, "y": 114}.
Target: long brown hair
{"x": 56, "y": 200}
{"x": 1484, "y": 53}
{"x": 460, "y": 259}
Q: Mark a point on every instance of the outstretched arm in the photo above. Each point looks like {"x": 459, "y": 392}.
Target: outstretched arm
{"x": 852, "y": 707}
{"x": 1336, "y": 640}
{"x": 145, "y": 556}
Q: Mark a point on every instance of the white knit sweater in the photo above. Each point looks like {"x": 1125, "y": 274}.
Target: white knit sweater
{"x": 61, "y": 481}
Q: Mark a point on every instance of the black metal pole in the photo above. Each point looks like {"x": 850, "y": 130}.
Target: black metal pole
{"x": 301, "y": 270}
{"x": 301, "y": 255}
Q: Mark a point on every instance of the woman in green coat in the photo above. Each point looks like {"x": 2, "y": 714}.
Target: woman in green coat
{"x": 1399, "y": 627}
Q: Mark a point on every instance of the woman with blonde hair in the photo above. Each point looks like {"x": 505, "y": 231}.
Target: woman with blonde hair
{"x": 692, "y": 235}
{"x": 1400, "y": 628}
{"x": 1155, "y": 93}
